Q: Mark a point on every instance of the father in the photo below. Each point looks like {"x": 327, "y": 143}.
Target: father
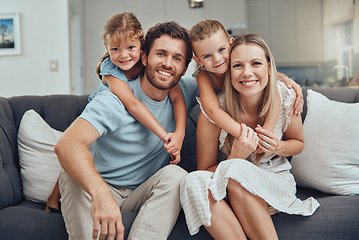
{"x": 127, "y": 168}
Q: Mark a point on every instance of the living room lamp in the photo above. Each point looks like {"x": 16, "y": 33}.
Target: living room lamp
{"x": 195, "y": 3}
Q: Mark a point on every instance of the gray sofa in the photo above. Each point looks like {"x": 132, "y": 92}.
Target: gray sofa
{"x": 336, "y": 218}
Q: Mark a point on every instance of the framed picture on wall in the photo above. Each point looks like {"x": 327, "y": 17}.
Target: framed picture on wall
{"x": 10, "y": 34}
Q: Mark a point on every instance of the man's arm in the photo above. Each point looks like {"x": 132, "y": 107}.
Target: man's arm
{"x": 76, "y": 159}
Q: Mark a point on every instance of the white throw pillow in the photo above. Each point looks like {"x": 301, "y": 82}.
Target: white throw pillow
{"x": 39, "y": 166}
{"x": 329, "y": 161}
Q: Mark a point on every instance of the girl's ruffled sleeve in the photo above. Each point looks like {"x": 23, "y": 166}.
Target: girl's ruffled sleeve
{"x": 287, "y": 97}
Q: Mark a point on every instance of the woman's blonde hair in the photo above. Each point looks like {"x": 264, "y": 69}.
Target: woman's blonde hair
{"x": 118, "y": 27}
{"x": 204, "y": 29}
{"x": 232, "y": 104}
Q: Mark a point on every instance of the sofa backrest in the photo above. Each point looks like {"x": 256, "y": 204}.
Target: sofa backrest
{"x": 340, "y": 94}
{"x": 10, "y": 184}
{"x": 59, "y": 111}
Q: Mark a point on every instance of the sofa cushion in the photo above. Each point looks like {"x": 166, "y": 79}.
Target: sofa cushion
{"x": 35, "y": 223}
{"x": 27, "y": 222}
{"x": 188, "y": 152}
{"x": 340, "y": 94}
{"x": 39, "y": 166}
{"x": 336, "y": 218}
{"x": 329, "y": 161}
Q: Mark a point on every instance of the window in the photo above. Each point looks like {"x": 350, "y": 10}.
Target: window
{"x": 347, "y": 44}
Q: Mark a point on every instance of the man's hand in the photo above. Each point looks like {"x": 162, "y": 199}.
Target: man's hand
{"x": 106, "y": 216}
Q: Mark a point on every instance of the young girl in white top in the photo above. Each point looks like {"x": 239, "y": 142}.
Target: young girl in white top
{"x": 211, "y": 43}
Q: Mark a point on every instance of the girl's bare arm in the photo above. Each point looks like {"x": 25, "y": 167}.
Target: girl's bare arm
{"x": 180, "y": 111}
{"x": 134, "y": 106}
{"x": 212, "y": 107}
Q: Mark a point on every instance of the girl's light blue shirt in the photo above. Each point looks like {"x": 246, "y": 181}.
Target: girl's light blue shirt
{"x": 108, "y": 68}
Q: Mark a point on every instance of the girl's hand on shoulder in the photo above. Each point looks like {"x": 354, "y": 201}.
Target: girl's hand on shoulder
{"x": 299, "y": 100}
{"x": 246, "y": 143}
{"x": 268, "y": 141}
{"x": 291, "y": 84}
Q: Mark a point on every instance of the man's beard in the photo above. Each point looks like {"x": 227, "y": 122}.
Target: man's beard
{"x": 150, "y": 74}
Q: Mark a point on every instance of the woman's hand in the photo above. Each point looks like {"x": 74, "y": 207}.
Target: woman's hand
{"x": 268, "y": 141}
{"x": 244, "y": 145}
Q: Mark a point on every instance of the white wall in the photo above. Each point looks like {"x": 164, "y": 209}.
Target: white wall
{"x": 76, "y": 32}
{"x": 44, "y": 37}
{"x": 150, "y": 12}
{"x": 95, "y": 15}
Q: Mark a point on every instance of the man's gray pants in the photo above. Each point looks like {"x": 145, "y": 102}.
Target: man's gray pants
{"x": 157, "y": 202}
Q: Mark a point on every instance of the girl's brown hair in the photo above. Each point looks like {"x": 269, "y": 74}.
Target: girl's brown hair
{"x": 118, "y": 27}
{"x": 232, "y": 103}
{"x": 204, "y": 29}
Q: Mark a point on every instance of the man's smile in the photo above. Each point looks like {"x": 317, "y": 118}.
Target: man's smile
{"x": 165, "y": 73}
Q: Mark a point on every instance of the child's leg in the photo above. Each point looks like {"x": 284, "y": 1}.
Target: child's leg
{"x": 207, "y": 142}
{"x": 54, "y": 198}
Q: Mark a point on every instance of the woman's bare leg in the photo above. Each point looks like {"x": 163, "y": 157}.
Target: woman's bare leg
{"x": 252, "y": 212}
{"x": 224, "y": 223}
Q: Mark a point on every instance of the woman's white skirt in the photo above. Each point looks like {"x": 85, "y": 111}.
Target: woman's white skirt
{"x": 278, "y": 189}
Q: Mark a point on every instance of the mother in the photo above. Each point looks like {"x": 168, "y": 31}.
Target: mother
{"x": 256, "y": 185}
